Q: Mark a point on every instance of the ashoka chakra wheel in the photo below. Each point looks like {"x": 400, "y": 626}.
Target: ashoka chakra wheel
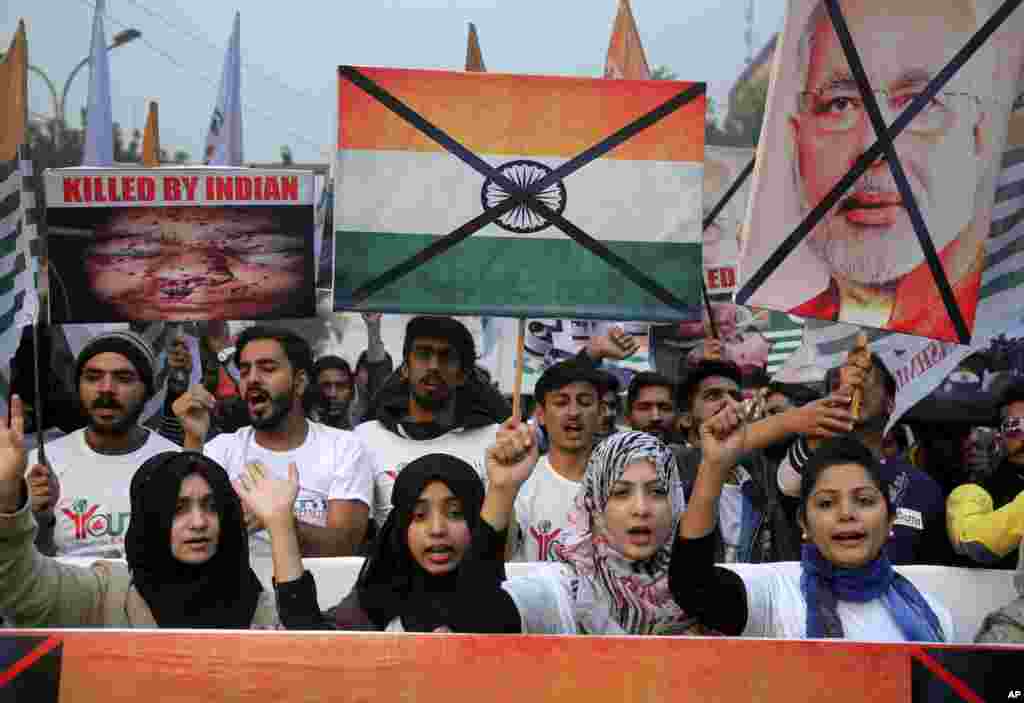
{"x": 522, "y": 219}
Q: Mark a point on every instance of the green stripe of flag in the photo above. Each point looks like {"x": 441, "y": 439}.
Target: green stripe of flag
{"x": 517, "y": 277}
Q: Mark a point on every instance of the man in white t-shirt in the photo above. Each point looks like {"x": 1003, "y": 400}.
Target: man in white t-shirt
{"x": 568, "y": 398}
{"x": 335, "y": 471}
{"x": 436, "y": 403}
{"x": 80, "y": 493}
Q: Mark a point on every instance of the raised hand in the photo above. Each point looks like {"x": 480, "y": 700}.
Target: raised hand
{"x": 43, "y": 488}
{"x": 270, "y": 500}
{"x": 193, "y": 409}
{"x": 615, "y": 344}
{"x": 510, "y": 460}
{"x": 13, "y": 457}
{"x": 826, "y": 417}
{"x": 723, "y": 438}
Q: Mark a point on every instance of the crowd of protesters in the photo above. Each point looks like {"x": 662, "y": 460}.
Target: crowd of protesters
{"x": 630, "y": 502}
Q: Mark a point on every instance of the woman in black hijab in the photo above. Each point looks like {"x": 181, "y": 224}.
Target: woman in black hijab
{"x": 196, "y": 588}
{"x": 432, "y": 552}
{"x": 188, "y": 557}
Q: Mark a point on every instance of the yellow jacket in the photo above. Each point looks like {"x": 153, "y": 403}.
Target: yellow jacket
{"x": 977, "y": 530}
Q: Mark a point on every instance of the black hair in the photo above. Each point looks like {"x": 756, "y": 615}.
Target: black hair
{"x": 836, "y": 451}
{"x": 330, "y": 362}
{"x": 704, "y": 370}
{"x": 446, "y": 328}
{"x": 797, "y": 393}
{"x": 1013, "y": 393}
{"x": 563, "y": 373}
{"x": 297, "y": 349}
{"x": 363, "y": 361}
{"x": 645, "y": 379}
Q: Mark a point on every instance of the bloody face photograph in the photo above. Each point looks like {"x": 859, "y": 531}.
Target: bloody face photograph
{"x": 181, "y": 263}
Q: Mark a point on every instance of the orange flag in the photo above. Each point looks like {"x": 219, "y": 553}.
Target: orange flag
{"x": 151, "y": 137}
{"x": 626, "y": 57}
{"x": 474, "y": 58}
{"x": 14, "y": 95}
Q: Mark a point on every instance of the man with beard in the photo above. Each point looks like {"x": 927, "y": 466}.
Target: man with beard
{"x": 986, "y": 518}
{"x": 877, "y": 272}
{"x": 568, "y": 396}
{"x": 919, "y": 531}
{"x": 754, "y": 525}
{"x": 333, "y": 393}
{"x": 335, "y": 470}
{"x": 435, "y": 403}
{"x": 80, "y": 496}
{"x": 651, "y": 405}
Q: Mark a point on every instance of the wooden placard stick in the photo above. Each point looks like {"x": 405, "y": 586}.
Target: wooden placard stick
{"x": 517, "y": 385}
{"x": 860, "y": 357}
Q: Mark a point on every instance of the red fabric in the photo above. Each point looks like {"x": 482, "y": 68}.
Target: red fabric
{"x": 919, "y": 309}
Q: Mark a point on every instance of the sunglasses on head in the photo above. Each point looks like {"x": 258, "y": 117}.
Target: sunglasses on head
{"x": 1013, "y": 426}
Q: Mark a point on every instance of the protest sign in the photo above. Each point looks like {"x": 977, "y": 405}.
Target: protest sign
{"x": 180, "y": 244}
{"x": 722, "y": 167}
{"x": 483, "y": 193}
{"x": 872, "y": 205}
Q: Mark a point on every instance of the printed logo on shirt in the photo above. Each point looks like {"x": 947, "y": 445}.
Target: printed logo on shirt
{"x": 898, "y": 488}
{"x": 546, "y": 539}
{"x": 909, "y": 518}
{"x": 88, "y": 523}
{"x": 311, "y": 510}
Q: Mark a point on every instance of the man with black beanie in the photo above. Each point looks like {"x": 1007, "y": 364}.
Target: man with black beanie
{"x": 80, "y": 496}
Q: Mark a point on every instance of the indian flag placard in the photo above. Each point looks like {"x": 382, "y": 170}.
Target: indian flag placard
{"x": 400, "y": 190}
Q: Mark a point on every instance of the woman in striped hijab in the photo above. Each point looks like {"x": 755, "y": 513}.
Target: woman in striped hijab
{"x": 611, "y": 576}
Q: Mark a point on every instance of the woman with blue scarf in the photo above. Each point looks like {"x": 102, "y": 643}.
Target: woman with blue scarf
{"x": 844, "y": 585}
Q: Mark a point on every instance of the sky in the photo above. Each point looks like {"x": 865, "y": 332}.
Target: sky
{"x": 291, "y": 50}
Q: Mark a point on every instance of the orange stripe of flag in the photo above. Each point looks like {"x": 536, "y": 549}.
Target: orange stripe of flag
{"x": 493, "y": 113}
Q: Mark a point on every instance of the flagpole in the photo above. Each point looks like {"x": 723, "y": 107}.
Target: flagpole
{"x": 517, "y": 386}
{"x": 25, "y": 157}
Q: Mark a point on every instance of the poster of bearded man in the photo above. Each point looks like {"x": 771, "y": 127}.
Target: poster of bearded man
{"x": 862, "y": 261}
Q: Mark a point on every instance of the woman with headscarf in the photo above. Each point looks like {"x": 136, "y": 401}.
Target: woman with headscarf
{"x": 432, "y": 554}
{"x": 186, "y": 548}
{"x": 844, "y": 585}
{"x": 611, "y": 576}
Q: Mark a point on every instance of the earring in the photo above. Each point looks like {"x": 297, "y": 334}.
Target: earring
{"x": 892, "y": 533}
{"x": 804, "y": 536}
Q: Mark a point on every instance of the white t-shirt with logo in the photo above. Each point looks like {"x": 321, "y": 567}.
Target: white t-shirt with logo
{"x": 95, "y": 506}
{"x": 333, "y": 465}
{"x": 392, "y": 452}
{"x": 542, "y": 509}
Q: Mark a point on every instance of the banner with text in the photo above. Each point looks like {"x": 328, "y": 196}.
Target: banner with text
{"x": 180, "y": 244}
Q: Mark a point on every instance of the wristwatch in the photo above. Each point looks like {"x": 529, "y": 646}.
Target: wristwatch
{"x": 225, "y": 354}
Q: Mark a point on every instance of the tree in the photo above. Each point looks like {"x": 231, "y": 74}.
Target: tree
{"x": 182, "y": 157}
{"x": 747, "y": 115}
{"x": 663, "y": 73}
{"x": 286, "y": 155}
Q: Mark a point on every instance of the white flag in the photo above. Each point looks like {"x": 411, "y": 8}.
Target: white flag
{"x": 224, "y": 137}
{"x": 99, "y": 130}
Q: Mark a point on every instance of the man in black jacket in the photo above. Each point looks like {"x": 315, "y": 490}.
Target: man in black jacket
{"x": 436, "y": 402}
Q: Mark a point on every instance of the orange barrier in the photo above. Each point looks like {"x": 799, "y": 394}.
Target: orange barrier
{"x": 174, "y": 667}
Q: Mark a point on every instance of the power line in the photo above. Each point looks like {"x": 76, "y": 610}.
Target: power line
{"x": 206, "y": 42}
{"x": 270, "y": 117}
